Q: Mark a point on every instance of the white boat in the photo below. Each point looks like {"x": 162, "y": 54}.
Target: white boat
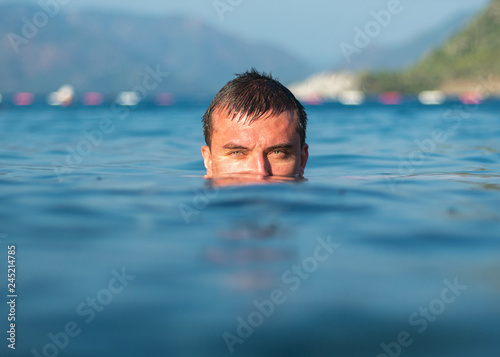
{"x": 64, "y": 96}
{"x": 128, "y": 99}
{"x": 351, "y": 97}
{"x": 432, "y": 97}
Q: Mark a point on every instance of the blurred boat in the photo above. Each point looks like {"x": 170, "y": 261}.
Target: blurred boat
{"x": 24, "y": 98}
{"x": 64, "y": 96}
{"x": 93, "y": 98}
{"x": 128, "y": 99}
{"x": 431, "y": 97}
{"x": 351, "y": 97}
{"x": 324, "y": 87}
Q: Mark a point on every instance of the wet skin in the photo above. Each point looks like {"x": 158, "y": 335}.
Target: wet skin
{"x": 267, "y": 147}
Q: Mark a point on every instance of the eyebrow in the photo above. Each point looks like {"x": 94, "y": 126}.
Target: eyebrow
{"x": 286, "y": 146}
{"x": 234, "y": 146}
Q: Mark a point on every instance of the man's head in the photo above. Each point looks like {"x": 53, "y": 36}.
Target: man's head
{"x": 255, "y": 125}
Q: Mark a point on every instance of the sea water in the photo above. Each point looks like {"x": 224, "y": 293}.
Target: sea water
{"x": 390, "y": 248}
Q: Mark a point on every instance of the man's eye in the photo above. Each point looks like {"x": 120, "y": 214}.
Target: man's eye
{"x": 236, "y": 153}
{"x": 280, "y": 153}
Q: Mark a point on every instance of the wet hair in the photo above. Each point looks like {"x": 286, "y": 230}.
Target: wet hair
{"x": 252, "y": 95}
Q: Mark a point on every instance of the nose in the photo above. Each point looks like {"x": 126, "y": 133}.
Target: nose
{"x": 260, "y": 166}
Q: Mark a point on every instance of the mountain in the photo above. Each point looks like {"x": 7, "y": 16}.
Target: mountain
{"x": 350, "y": 76}
{"x": 376, "y": 57}
{"x": 469, "y": 61}
{"x": 42, "y": 49}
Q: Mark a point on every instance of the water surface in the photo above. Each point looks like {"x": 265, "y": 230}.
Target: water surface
{"x": 394, "y": 234}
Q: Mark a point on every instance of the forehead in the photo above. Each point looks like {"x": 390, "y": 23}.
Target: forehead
{"x": 269, "y": 126}
{"x": 224, "y": 122}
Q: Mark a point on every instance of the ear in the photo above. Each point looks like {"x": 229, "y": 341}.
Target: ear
{"x": 303, "y": 159}
{"x": 207, "y": 159}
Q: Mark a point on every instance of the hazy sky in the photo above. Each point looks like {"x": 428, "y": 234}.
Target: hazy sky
{"x": 312, "y": 29}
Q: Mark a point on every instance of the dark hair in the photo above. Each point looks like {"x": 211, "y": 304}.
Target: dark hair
{"x": 253, "y": 94}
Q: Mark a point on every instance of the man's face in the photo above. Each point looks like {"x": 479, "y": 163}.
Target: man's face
{"x": 268, "y": 146}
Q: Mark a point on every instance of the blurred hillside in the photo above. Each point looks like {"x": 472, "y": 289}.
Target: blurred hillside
{"x": 109, "y": 52}
{"x": 470, "y": 61}
{"x": 398, "y": 57}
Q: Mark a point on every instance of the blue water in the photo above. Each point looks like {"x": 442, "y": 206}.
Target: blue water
{"x": 392, "y": 246}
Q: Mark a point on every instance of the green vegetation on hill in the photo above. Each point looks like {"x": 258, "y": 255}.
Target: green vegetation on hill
{"x": 472, "y": 54}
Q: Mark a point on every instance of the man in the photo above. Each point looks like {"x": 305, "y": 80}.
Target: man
{"x": 255, "y": 127}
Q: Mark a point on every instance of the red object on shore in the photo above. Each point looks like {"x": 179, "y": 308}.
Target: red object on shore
{"x": 93, "y": 98}
{"x": 313, "y": 100}
{"x": 390, "y": 98}
{"x": 471, "y": 98}
{"x": 164, "y": 99}
{"x": 24, "y": 98}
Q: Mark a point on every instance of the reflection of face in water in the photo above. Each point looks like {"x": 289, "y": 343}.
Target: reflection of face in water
{"x": 250, "y": 262}
{"x": 250, "y": 179}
